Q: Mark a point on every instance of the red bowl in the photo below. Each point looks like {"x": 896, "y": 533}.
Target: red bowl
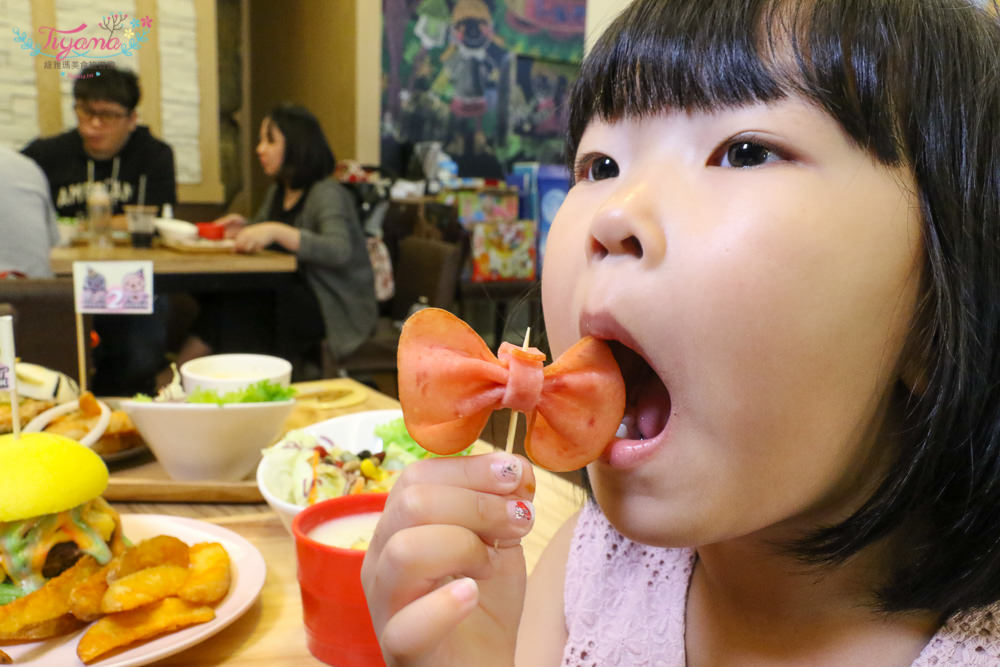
{"x": 210, "y": 230}
{"x": 338, "y": 628}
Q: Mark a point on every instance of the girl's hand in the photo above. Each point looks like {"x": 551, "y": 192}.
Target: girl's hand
{"x": 445, "y": 574}
{"x": 259, "y": 236}
{"x": 233, "y": 222}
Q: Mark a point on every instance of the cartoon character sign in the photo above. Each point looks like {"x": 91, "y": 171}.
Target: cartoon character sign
{"x": 95, "y": 289}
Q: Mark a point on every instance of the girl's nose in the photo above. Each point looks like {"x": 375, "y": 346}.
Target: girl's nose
{"x": 627, "y": 225}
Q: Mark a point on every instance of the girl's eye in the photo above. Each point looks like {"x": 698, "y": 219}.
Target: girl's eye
{"x": 743, "y": 153}
{"x": 596, "y": 168}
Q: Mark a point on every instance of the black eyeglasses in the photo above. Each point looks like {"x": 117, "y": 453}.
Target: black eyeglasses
{"x": 85, "y": 113}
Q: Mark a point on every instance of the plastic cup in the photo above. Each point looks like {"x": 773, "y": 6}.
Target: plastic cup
{"x": 338, "y": 627}
{"x": 141, "y": 224}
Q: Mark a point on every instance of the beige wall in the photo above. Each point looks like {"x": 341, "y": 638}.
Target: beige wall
{"x": 305, "y": 52}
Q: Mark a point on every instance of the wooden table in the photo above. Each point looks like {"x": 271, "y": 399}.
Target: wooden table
{"x": 272, "y": 631}
{"x": 168, "y": 261}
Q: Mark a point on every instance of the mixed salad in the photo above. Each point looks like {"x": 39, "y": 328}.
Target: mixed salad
{"x": 309, "y": 469}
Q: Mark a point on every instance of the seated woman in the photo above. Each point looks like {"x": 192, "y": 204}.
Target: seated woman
{"x": 305, "y": 212}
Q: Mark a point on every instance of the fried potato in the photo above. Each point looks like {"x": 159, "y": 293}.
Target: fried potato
{"x": 54, "y": 627}
{"x": 85, "y": 598}
{"x": 142, "y": 587}
{"x": 89, "y": 405}
{"x": 208, "y": 576}
{"x": 5, "y": 659}
{"x": 36, "y": 615}
{"x": 118, "y": 630}
{"x": 159, "y": 550}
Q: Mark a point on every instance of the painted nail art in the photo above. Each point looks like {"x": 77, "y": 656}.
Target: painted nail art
{"x": 521, "y": 511}
{"x": 507, "y": 469}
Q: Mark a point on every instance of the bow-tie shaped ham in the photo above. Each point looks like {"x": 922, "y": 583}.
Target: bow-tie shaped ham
{"x": 450, "y": 383}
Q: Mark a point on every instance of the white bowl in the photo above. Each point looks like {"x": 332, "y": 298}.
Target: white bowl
{"x": 207, "y": 441}
{"x": 354, "y": 433}
{"x": 232, "y": 372}
{"x": 177, "y": 231}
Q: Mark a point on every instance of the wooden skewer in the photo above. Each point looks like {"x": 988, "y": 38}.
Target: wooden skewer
{"x": 512, "y": 425}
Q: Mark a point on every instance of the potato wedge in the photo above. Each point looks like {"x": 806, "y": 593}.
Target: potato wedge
{"x": 159, "y": 550}
{"x": 124, "y": 628}
{"x": 85, "y": 598}
{"x": 37, "y": 615}
{"x": 143, "y": 587}
{"x": 208, "y": 575}
{"x": 54, "y": 627}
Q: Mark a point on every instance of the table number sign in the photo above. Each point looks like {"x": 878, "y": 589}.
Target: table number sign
{"x": 113, "y": 288}
{"x": 8, "y": 378}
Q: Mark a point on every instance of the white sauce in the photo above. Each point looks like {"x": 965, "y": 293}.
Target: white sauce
{"x": 347, "y": 532}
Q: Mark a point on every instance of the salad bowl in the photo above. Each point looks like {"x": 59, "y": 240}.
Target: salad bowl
{"x": 285, "y": 474}
{"x": 218, "y": 438}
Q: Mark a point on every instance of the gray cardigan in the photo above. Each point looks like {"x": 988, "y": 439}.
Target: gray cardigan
{"x": 333, "y": 258}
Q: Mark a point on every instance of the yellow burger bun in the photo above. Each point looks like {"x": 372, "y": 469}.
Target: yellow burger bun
{"x": 44, "y": 473}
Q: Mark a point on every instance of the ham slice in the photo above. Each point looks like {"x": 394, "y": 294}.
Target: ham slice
{"x": 450, "y": 383}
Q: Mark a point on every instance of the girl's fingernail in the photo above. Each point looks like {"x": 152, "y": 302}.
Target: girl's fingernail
{"x": 521, "y": 511}
{"x": 464, "y": 590}
{"x": 507, "y": 469}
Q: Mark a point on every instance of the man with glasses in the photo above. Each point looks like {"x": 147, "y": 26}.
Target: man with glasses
{"x": 109, "y": 145}
{"x": 109, "y": 141}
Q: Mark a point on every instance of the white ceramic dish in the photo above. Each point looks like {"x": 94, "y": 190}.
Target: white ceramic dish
{"x": 44, "y": 419}
{"x": 176, "y": 230}
{"x": 207, "y": 441}
{"x": 231, "y": 372}
{"x": 354, "y": 433}
{"x": 248, "y": 572}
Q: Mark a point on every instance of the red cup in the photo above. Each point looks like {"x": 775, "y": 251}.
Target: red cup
{"x": 210, "y": 230}
{"x": 338, "y": 627}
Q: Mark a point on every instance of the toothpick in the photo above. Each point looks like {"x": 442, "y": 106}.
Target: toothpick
{"x": 512, "y": 425}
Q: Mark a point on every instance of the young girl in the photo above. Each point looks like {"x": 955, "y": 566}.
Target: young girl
{"x": 786, "y": 223}
{"x": 307, "y": 213}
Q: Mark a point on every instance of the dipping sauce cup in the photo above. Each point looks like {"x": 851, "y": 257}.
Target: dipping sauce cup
{"x": 141, "y": 224}
{"x": 338, "y": 628}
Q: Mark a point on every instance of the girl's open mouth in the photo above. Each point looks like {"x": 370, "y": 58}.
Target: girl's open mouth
{"x": 647, "y": 409}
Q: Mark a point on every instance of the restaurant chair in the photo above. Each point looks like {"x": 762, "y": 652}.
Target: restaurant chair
{"x": 426, "y": 269}
{"x": 45, "y": 322}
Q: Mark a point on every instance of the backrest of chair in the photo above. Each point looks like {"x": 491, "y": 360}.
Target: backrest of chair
{"x": 426, "y": 268}
{"x": 44, "y": 321}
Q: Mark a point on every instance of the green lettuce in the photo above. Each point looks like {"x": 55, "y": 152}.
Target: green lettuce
{"x": 397, "y": 441}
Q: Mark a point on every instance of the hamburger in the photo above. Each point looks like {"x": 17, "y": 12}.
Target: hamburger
{"x": 51, "y": 511}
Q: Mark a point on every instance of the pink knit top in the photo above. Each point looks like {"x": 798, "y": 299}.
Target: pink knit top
{"x": 625, "y": 603}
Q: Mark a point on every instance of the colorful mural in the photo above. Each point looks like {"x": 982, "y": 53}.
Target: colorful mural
{"x": 486, "y": 79}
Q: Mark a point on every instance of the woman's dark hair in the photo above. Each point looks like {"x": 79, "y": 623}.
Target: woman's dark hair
{"x": 914, "y": 83}
{"x": 106, "y": 83}
{"x": 308, "y": 157}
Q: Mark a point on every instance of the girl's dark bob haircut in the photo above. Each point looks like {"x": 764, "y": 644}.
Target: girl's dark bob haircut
{"x": 914, "y": 83}
{"x": 308, "y": 157}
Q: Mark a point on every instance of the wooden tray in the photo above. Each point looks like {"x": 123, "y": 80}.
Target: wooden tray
{"x": 200, "y": 246}
{"x": 143, "y": 479}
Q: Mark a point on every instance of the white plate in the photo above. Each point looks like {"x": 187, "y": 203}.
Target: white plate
{"x": 248, "y": 571}
{"x": 44, "y": 419}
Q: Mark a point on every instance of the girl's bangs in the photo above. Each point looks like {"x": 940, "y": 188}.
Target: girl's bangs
{"x": 690, "y": 55}
{"x": 706, "y": 55}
